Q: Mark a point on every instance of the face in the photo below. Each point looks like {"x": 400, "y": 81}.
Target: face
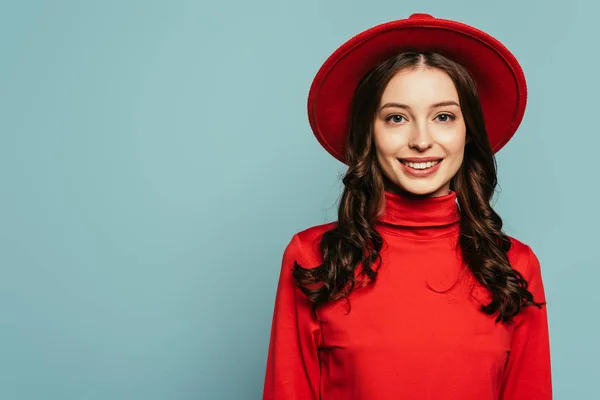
{"x": 420, "y": 132}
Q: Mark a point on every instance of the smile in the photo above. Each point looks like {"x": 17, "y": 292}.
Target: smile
{"x": 421, "y": 169}
{"x": 420, "y": 165}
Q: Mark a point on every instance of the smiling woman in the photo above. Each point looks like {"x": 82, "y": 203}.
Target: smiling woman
{"x": 415, "y": 292}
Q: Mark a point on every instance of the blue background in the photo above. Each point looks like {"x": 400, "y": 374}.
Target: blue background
{"x": 155, "y": 159}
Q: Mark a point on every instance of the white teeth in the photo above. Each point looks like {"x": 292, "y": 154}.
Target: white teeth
{"x": 422, "y": 165}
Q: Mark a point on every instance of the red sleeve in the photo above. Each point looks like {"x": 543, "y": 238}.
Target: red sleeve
{"x": 527, "y": 374}
{"x": 293, "y": 369}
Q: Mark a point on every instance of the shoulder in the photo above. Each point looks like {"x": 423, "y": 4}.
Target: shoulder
{"x": 305, "y": 244}
{"x": 520, "y": 254}
{"x": 523, "y": 259}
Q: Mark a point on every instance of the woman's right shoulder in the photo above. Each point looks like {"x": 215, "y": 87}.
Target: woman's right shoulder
{"x": 307, "y": 242}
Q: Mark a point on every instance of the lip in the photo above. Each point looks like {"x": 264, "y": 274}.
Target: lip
{"x": 421, "y": 159}
{"x": 420, "y": 173}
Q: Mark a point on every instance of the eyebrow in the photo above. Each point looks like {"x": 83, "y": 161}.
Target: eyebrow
{"x": 436, "y": 105}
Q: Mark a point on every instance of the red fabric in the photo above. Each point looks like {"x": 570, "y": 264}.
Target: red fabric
{"x": 417, "y": 333}
{"x": 499, "y": 77}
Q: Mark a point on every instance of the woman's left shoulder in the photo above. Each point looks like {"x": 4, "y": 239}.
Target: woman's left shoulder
{"x": 523, "y": 258}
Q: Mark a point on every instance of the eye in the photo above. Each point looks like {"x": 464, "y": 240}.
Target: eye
{"x": 445, "y": 117}
{"x": 395, "y": 118}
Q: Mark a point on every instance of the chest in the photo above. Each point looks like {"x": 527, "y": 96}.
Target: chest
{"x": 424, "y": 308}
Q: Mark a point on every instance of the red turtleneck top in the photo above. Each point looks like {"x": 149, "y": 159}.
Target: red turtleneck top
{"x": 417, "y": 332}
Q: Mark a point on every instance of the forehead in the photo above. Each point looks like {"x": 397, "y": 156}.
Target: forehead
{"x": 420, "y": 86}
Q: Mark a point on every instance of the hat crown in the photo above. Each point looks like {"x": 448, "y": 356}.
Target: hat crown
{"x": 421, "y": 16}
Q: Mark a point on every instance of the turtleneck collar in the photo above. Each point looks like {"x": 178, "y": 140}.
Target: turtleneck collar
{"x": 420, "y": 216}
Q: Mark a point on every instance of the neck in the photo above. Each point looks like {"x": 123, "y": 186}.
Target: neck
{"x": 412, "y": 215}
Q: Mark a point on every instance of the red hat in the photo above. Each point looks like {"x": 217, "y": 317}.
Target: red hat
{"x": 499, "y": 78}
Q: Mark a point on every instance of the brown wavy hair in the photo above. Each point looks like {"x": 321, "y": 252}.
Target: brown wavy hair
{"x": 354, "y": 241}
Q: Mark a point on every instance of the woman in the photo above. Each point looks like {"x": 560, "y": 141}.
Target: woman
{"x": 414, "y": 292}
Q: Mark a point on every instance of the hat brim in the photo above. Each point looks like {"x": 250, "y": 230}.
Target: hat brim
{"x": 499, "y": 77}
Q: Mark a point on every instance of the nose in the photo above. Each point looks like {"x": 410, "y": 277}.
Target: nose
{"x": 421, "y": 138}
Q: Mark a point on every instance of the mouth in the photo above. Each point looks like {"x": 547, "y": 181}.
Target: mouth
{"x": 421, "y": 166}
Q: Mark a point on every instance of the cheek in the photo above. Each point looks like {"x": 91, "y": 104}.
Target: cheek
{"x": 457, "y": 160}
{"x": 455, "y": 150}
{"x": 453, "y": 142}
{"x": 387, "y": 143}
{"x": 386, "y": 150}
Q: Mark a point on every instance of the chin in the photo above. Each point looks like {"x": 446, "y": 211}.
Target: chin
{"x": 430, "y": 189}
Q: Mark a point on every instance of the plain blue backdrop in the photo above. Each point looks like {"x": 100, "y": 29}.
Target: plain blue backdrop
{"x": 155, "y": 159}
